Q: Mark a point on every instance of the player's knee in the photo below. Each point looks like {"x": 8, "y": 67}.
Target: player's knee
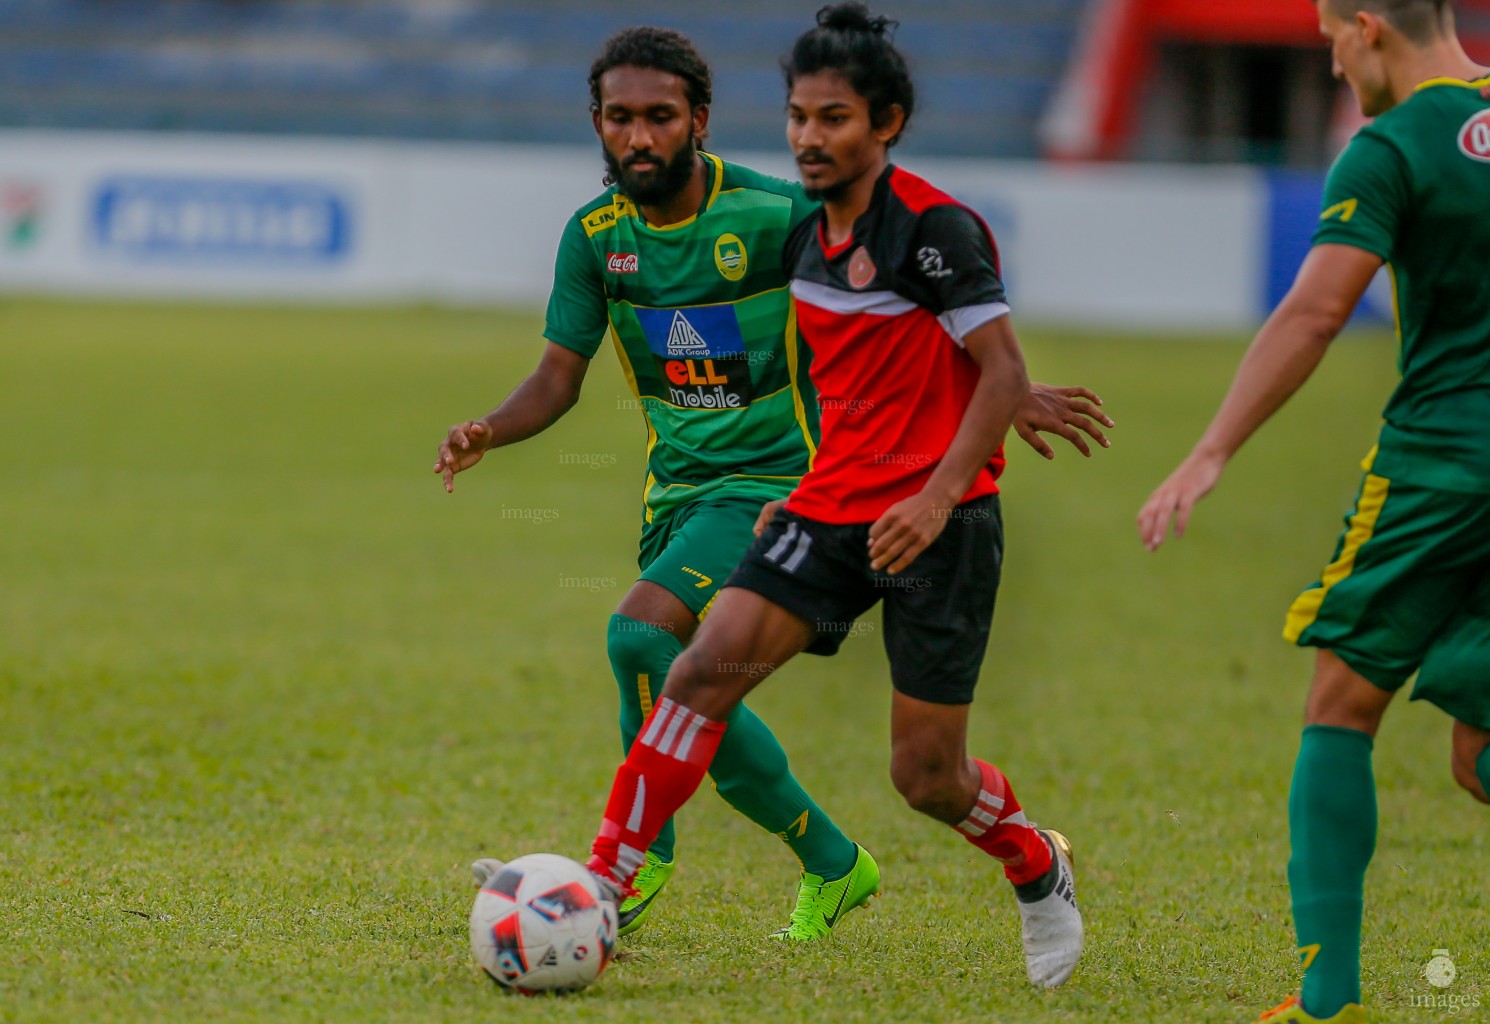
{"x": 1465, "y": 773}
{"x": 1344, "y": 699}
{"x": 635, "y": 647}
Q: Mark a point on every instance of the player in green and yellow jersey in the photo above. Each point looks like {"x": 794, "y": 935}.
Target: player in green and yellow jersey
{"x": 679, "y": 262}
{"x": 1408, "y": 589}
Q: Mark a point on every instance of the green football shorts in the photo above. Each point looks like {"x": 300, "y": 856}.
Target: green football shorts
{"x": 692, "y": 551}
{"x": 1409, "y": 591}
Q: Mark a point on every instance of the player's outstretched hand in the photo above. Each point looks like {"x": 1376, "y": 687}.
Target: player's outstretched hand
{"x": 1175, "y": 499}
{"x": 768, "y": 513}
{"x": 462, "y": 448}
{"x": 906, "y": 529}
{"x": 1068, "y": 412}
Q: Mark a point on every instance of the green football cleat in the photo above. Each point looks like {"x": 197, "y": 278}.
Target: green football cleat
{"x": 1291, "y": 1011}
{"x": 821, "y": 903}
{"x": 649, "y": 882}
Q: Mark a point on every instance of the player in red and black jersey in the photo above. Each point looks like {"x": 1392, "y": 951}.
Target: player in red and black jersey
{"x": 879, "y": 296}
{"x": 919, "y": 377}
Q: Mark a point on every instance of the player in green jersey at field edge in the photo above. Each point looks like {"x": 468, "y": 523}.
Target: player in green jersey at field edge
{"x": 680, "y": 262}
{"x": 1408, "y": 589}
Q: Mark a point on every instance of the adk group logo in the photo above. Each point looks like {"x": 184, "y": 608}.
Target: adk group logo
{"x": 20, "y": 213}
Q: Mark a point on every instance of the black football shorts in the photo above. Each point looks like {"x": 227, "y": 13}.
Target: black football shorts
{"x": 937, "y": 611}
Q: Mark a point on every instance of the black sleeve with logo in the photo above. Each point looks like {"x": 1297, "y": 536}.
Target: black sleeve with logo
{"x": 951, "y": 262}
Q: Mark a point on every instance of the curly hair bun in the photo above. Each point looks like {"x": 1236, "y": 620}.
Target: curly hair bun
{"x": 854, "y": 17}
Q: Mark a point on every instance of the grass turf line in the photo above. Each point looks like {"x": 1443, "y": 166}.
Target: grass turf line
{"x": 265, "y": 690}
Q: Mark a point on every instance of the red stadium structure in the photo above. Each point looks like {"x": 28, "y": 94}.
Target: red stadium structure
{"x": 1096, "y": 111}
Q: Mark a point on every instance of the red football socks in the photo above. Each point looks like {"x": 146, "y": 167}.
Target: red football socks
{"x": 667, "y": 762}
{"x": 997, "y": 826}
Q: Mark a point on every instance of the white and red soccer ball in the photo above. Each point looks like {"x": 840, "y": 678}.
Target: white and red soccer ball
{"x": 541, "y": 925}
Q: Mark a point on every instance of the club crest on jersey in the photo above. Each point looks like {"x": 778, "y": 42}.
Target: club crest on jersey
{"x": 621, "y": 263}
{"x": 1474, "y": 137}
{"x": 700, "y": 356}
{"x": 730, "y": 256}
{"x": 861, "y": 268}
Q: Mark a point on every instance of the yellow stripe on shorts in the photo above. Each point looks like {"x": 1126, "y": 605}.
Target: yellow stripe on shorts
{"x": 1362, "y": 525}
{"x": 644, "y": 693}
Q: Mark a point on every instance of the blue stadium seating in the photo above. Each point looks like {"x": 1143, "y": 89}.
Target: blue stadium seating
{"x": 490, "y": 69}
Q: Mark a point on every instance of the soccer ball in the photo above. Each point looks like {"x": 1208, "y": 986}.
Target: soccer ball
{"x": 541, "y": 925}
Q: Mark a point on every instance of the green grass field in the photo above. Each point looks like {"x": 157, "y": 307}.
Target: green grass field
{"x": 265, "y": 690}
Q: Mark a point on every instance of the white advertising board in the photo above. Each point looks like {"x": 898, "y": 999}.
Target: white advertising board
{"x": 249, "y": 217}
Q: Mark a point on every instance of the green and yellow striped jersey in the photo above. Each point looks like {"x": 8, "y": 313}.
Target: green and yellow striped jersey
{"x": 1413, "y": 187}
{"x": 703, "y": 324}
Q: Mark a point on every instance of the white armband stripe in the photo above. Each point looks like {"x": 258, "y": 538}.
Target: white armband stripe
{"x": 959, "y": 323}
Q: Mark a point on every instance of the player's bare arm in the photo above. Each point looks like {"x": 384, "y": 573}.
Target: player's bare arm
{"x": 534, "y": 405}
{"x": 1284, "y": 355}
{"x": 1065, "y": 412}
{"x": 908, "y": 527}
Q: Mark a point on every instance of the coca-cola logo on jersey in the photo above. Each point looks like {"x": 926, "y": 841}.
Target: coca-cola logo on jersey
{"x": 621, "y": 262}
{"x": 1474, "y": 137}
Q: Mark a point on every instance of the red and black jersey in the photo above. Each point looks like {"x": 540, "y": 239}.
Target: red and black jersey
{"x": 885, "y": 314}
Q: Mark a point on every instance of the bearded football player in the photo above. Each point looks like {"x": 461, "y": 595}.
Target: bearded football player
{"x": 899, "y": 298}
{"x": 679, "y": 260}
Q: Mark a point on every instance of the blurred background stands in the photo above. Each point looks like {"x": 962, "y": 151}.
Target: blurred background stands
{"x": 490, "y": 69}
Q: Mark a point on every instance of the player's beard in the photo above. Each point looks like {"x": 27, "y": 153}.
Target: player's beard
{"x": 828, "y": 193}
{"x": 654, "y": 188}
{"x": 831, "y": 192}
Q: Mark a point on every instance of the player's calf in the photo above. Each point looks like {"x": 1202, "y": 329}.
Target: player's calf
{"x": 935, "y": 782}
{"x": 713, "y": 685}
{"x": 1471, "y": 760}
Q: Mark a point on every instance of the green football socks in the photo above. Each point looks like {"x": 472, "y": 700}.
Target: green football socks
{"x": 1332, "y": 824}
{"x": 750, "y": 770}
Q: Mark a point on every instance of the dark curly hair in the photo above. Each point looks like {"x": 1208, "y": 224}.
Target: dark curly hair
{"x": 661, "y": 49}
{"x": 860, "y": 47}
